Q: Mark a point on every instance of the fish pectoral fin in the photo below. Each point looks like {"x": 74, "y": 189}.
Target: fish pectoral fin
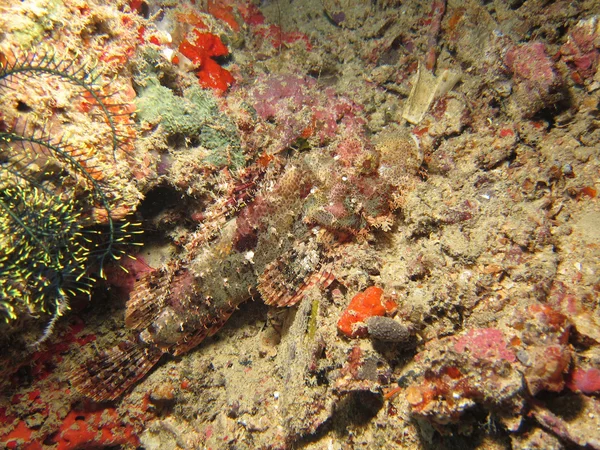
{"x": 209, "y": 328}
{"x": 108, "y": 375}
{"x": 285, "y": 280}
{"x": 277, "y": 290}
{"x": 156, "y": 291}
{"x": 147, "y": 300}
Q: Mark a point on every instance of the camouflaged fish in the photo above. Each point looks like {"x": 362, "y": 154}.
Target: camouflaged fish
{"x": 280, "y": 244}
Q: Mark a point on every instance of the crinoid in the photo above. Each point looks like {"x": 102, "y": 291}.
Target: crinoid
{"x": 57, "y": 221}
{"x": 46, "y": 64}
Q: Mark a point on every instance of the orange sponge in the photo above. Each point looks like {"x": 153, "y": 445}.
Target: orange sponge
{"x": 363, "y": 305}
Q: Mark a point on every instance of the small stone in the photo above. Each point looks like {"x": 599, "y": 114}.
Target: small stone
{"x": 164, "y": 393}
{"x": 234, "y": 409}
{"x": 388, "y": 330}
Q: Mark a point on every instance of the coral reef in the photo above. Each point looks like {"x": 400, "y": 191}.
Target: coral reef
{"x": 368, "y": 225}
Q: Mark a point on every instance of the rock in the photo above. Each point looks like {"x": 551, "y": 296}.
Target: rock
{"x": 388, "y": 330}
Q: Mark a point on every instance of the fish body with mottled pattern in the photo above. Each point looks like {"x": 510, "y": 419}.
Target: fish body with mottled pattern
{"x": 278, "y": 245}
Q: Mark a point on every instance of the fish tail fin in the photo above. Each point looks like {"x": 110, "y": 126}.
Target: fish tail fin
{"x": 108, "y": 375}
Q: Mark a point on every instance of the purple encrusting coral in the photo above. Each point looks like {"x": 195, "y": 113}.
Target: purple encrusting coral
{"x": 298, "y": 110}
{"x": 487, "y": 343}
{"x": 537, "y": 82}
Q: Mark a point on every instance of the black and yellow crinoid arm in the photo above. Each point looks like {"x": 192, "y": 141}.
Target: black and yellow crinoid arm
{"x": 50, "y": 243}
{"x": 57, "y": 226}
{"x": 42, "y": 253}
{"x": 84, "y": 76}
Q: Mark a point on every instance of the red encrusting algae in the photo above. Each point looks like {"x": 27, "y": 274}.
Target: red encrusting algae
{"x": 363, "y": 305}
{"x": 585, "y": 381}
{"x": 78, "y": 430}
{"x": 201, "y": 50}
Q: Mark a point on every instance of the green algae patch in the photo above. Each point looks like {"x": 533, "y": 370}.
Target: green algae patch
{"x": 195, "y": 116}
